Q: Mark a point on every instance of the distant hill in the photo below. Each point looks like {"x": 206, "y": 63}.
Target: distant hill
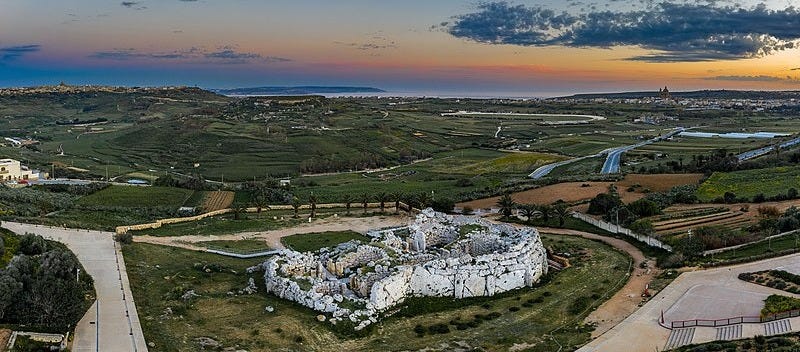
{"x": 700, "y": 94}
{"x": 301, "y": 90}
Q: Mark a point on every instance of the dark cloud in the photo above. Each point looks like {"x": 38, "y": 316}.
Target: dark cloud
{"x": 759, "y": 78}
{"x": 14, "y": 52}
{"x": 675, "y": 32}
{"x": 129, "y": 3}
{"x": 795, "y": 69}
{"x": 225, "y": 54}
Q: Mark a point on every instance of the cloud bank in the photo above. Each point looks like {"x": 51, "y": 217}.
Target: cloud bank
{"x": 14, "y": 52}
{"x": 682, "y": 32}
{"x": 222, "y": 55}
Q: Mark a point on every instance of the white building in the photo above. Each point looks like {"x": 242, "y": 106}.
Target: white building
{"x": 12, "y": 170}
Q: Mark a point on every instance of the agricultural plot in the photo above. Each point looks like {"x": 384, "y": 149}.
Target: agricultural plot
{"x": 679, "y": 223}
{"x": 749, "y": 183}
{"x": 137, "y": 197}
{"x": 217, "y": 200}
{"x": 309, "y": 242}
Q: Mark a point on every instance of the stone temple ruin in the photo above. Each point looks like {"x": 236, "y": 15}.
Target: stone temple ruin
{"x": 435, "y": 255}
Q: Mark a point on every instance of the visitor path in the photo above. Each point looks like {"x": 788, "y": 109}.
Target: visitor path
{"x": 625, "y": 301}
{"x": 705, "y": 294}
{"x": 273, "y": 237}
{"x": 115, "y": 325}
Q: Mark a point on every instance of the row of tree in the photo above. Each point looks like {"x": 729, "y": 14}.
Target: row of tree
{"x": 531, "y": 212}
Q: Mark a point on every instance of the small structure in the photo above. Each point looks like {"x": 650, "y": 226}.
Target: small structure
{"x": 12, "y": 170}
{"x": 664, "y": 93}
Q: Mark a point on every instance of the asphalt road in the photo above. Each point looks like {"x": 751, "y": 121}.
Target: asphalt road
{"x": 112, "y": 323}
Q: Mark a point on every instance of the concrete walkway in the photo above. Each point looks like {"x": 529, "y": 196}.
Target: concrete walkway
{"x": 112, "y": 323}
{"x": 707, "y": 294}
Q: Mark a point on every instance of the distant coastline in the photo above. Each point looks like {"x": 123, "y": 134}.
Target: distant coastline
{"x": 298, "y": 90}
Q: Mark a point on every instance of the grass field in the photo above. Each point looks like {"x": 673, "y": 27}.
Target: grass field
{"x": 770, "y": 182}
{"x": 543, "y": 318}
{"x": 220, "y": 225}
{"x": 309, "y": 242}
{"x": 240, "y": 246}
{"x": 137, "y": 197}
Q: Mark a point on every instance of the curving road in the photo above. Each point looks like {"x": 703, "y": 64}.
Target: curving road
{"x": 611, "y": 165}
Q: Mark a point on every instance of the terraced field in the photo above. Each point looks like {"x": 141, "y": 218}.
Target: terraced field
{"x": 680, "y": 222}
{"x": 217, "y": 200}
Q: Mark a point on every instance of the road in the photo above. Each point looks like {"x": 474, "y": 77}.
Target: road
{"x": 112, "y": 323}
{"x": 611, "y": 165}
{"x": 752, "y": 154}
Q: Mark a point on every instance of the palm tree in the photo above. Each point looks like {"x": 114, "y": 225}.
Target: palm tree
{"x": 528, "y": 211}
{"x": 295, "y": 205}
{"x": 260, "y": 201}
{"x": 238, "y": 210}
{"x": 312, "y": 200}
{"x": 365, "y": 198}
{"x": 546, "y": 211}
{"x": 397, "y": 196}
{"x": 382, "y": 197}
{"x": 562, "y": 213}
{"x": 423, "y": 200}
{"x": 506, "y": 205}
{"x": 349, "y": 198}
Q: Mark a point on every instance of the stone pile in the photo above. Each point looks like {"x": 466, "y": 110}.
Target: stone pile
{"x": 435, "y": 255}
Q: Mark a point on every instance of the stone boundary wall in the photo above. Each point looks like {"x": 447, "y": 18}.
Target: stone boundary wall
{"x": 158, "y": 223}
{"x": 650, "y": 241}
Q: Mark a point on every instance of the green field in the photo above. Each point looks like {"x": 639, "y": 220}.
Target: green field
{"x": 544, "y": 318}
{"x": 239, "y": 246}
{"x": 770, "y": 182}
{"x": 220, "y": 225}
{"x": 137, "y": 197}
{"x": 310, "y": 242}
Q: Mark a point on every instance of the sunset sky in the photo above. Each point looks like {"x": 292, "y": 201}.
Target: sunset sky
{"x": 446, "y": 46}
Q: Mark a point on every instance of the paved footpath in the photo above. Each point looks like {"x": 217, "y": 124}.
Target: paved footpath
{"x": 112, "y": 323}
{"x": 705, "y": 294}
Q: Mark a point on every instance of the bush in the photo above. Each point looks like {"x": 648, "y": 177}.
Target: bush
{"x": 124, "y": 238}
{"x": 30, "y": 244}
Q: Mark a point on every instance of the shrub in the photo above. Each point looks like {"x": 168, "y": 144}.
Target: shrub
{"x": 31, "y": 244}
{"x": 124, "y": 238}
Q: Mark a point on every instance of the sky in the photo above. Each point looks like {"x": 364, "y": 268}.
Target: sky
{"x": 531, "y": 48}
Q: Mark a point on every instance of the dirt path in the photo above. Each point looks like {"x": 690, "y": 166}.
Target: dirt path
{"x": 627, "y": 299}
{"x": 273, "y": 237}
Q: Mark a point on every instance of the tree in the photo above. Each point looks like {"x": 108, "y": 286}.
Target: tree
{"x": 443, "y": 204}
{"x": 397, "y": 196}
{"x": 2, "y": 247}
{"x": 545, "y": 211}
{"x": 603, "y": 203}
{"x": 296, "y": 206}
{"x": 506, "y": 205}
{"x": 238, "y": 211}
{"x": 261, "y": 198}
{"x": 10, "y": 290}
{"x": 31, "y": 244}
{"x": 382, "y": 197}
{"x": 529, "y": 211}
{"x": 791, "y": 193}
{"x": 312, "y": 200}
{"x": 348, "y": 200}
{"x": 365, "y": 198}
{"x": 644, "y": 208}
{"x": 561, "y": 211}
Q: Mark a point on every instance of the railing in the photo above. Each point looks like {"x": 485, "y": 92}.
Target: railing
{"x": 734, "y": 320}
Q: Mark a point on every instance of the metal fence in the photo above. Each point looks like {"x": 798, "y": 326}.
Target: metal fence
{"x": 734, "y": 320}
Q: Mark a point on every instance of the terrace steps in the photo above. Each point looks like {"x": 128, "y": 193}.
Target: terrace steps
{"x": 732, "y": 332}
{"x": 679, "y": 337}
{"x": 777, "y": 327}
{"x": 701, "y": 221}
{"x": 680, "y": 220}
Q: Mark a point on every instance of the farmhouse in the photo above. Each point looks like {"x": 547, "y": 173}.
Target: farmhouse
{"x": 12, "y": 170}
